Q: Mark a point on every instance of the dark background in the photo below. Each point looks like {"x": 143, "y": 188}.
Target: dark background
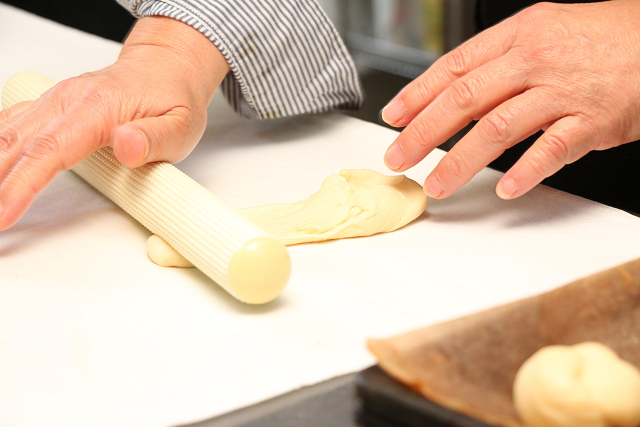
{"x": 105, "y": 18}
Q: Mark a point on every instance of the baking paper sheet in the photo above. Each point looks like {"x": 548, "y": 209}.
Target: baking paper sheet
{"x": 93, "y": 333}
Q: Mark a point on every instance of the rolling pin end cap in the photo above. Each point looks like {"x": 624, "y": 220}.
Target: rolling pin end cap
{"x": 259, "y": 271}
{"x": 25, "y": 86}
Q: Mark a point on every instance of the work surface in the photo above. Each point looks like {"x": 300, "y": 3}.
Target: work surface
{"x": 92, "y": 333}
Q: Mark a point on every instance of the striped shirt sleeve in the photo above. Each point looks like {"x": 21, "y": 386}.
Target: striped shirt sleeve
{"x": 285, "y": 56}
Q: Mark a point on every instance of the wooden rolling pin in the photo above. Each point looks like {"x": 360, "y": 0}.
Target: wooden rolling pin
{"x": 230, "y": 249}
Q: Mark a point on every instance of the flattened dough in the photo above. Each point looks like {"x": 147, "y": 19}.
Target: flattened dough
{"x": 353, "y": 203}
{"x": 161, "y": 253}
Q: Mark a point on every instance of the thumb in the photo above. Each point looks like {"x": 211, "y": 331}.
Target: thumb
{"x": 166, "y": 138}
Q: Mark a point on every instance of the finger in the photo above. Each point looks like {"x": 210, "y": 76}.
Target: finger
{"x": 33, "y": 171}
{"x": 10, "y": 133}
{"x": 79, "y": 131}
{"x": 501, "y": 128}
{"x": 40, "y": 150}
{"x": 16, "y": 131}
{"x": 564, "y": 142}
{"x": 169, "y": 138}
{"x": 466, "y": 99}
{"x": 12, "y": 111}
{"x": 477, "y": 51}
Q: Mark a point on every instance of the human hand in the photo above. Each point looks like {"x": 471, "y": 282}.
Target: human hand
{"x": 572, "y": 70}
{"x": 150, "y": 105}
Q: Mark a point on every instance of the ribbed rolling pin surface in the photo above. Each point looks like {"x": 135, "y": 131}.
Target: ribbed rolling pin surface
{"x": 231, "y": 250}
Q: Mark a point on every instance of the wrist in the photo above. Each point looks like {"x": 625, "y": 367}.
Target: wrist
{"x": 180, "y": 49}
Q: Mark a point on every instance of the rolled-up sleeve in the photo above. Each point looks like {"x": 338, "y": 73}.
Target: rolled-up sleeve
{"x": 286, "y": 57}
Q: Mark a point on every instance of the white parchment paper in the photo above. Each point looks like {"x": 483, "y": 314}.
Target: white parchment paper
{"x": 92, "y": 333}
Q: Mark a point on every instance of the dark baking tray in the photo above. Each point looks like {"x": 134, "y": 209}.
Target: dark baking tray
{"x": 381, "y": 401}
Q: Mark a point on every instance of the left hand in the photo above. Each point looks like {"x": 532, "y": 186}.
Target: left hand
{"x": 150, "y": 105}
{"x": 572, "y": 70}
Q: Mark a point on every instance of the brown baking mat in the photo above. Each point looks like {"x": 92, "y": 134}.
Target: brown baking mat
{"x": 468, "y": 365}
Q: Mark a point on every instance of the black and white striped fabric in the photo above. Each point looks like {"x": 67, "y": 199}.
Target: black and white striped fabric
{"x": 286, "y": 57}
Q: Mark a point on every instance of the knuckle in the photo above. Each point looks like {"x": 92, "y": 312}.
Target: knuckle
{"x": 420, "y": 135}
{"x": 5, "y": 114}
{"x": 551, "y": 154}
{"x": 187, "y": 117}
{"x": 545, "y": 52}
{"x": 23, "y": 180}
{"x": 496, "y": 128}
{"x": 456, "y": 164}
{"x": 415, "y": 93}
{"x": 552, "y": 35}
{"x": 536, "y": 12}
{"x": 65, "y": 85}
{"x": 93, "y": 96}
{"x": 87, "y": 92}
{"x": 9, "y": 140}
{"x": 556, "y": 147}
{"x": 456, "y": 62}
{"x": 46, "y": 148}
{"x": 61, "y": 91}
{"x": 464, "y": 94}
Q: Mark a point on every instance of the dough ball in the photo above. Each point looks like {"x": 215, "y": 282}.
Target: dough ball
{"x": 585, "y": 385}
{"x": 164, "y": 255}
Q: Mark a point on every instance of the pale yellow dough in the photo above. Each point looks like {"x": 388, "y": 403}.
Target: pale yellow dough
{"x": 164, "y": 255}
{"x": 585, "y": 385}
{"x": 353, "y": 203}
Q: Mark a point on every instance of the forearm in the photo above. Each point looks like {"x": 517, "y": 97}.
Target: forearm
{"x": 285, "y": 57}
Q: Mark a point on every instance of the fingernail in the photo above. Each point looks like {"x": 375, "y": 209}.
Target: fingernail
{"x": 394, "y": 157}
{"x": 433, "y": 187}
{"x": 146, "y": 144}
{"x": 506, "y": 188}
{"x": 393, "y": 112}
